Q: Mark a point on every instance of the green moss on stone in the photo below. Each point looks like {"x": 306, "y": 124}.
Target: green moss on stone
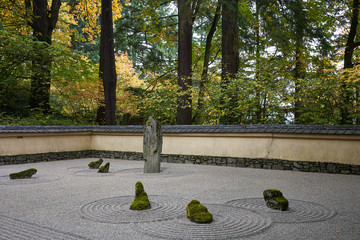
{"x": 105, "y": 168}
{"x": 23, "y": 174}
{"x": 198, "y": 213}
{"x": 95, "y": 164}
{"x": 271, "y": 193}
{"x": 275, "y": 200}
{"x": 141, "y": 201}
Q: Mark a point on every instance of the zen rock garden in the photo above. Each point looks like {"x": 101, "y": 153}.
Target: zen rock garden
{"x": 23, "y": 174}
{"x": 196, "y": 212}
{"x": 176, "y": 214}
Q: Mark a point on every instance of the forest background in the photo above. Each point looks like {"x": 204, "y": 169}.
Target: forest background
{"x": 183, "y": 62}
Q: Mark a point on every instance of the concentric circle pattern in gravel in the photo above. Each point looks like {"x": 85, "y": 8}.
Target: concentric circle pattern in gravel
{"x": 11, "y": 228}
{"x": 298, "y": 212}
{"x": 117, "y": 209}
{"x": 37, "y": 178}
{"x": 93, "y": 173}
{"x": 229, "y": 222}
{"x": 164, "y": 172}
{"x": 77, "y": 168}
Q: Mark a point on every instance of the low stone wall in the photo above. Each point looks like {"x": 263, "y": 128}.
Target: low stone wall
{"x": 330, "y": 149}
{"x": 275, "y": 164}
{"x": 44, "y": 157}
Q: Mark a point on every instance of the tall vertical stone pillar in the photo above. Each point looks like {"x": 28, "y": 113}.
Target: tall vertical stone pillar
{"x": 152, "y": 146}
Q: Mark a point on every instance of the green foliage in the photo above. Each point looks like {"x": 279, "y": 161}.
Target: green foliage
{"x": 16, "y": 53}
{"x": 146, "y": 32}
{"x": 15, "y": 56}
{"x": 159, "y": 101}
{"x": 39, "y": 118}
{"x": 274, "y": 35}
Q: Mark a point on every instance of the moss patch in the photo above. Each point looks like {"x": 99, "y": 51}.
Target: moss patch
{"x": 275, "y": 200}
{"x": 95, "y": 164}
{"x": 141, "y": 201}
{"x": 105, "y": 168}
{"x": 198, "y": 213}
{"x": 271, "y": 193}
{"x": 23, "y": 174}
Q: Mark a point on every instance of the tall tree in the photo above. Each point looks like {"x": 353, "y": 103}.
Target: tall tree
{"x": 230, "y": 51}
{"x": 299, "y": 71}
{"x": 43, "y": 24}
{"x": 147, "y": 32}
{"x": 351, "y": 44}
{"x": 205, "y": 69}
{"x": 184, "y": 109}
{"x": 107, "y": 71}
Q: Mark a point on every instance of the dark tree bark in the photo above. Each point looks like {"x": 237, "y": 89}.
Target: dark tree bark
{"x": 107, "y": 71}
{"x": 204, "y": 74}
{"x": 349, "y": 51}
{"x": 351, "y": 44}
{"x": 299, "y": 75}
{"x": 258, "y": 110}
{"x": 43, "y": 24}
{"x": 299, "y": 70}
{"x": 230, "y": 51}
{"x": 184, "y": 109}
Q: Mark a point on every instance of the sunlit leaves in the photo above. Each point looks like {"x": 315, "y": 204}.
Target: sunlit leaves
{"x": 88, "y": 11}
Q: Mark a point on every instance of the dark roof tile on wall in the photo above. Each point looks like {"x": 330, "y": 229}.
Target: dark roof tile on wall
{"x": 284, "y": 129}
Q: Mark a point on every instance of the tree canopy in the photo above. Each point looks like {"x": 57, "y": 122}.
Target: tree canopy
{"x": 182, "y": 62}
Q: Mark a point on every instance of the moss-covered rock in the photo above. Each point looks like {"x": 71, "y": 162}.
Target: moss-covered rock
{"x": 23, "y": 174}
{"x": 198, "y": 213}
{"x": 95, "y": 164}
{"x": 275, "y": 200}
{"x": 278, "y": 203}
{"x": 105, "y": 168}
{"x": 271, "y": 193}
{"x": 141, "y": 201}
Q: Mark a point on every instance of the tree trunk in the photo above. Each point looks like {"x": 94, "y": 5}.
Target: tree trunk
{"x": 204, "y": 75}
{"x": 230, "y": 54}
{"x": 351, "y": 45}
{"x": 258, "y": 110}
{"x": 299, "y": 71}
{"x": 107, "y": 71}
{"x": 299, "y": 76}
{"x": 43, "y": 24}
{"x": 349, "y": 51}
{"x": 184, "y": 109}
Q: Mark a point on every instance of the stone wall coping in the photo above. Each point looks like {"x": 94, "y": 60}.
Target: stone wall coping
{"x": 174, "y": 129}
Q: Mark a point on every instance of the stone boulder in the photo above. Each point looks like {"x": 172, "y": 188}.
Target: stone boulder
{"x": 141, "y": 201}
{"x": 198, "y": 213}
{"x": 152, "y": 146}
{"x": 95, "y": 164}
{"x": 274, "y": 199}
{"x": 23, "y": 174}
{"x": 105, "y": 168}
